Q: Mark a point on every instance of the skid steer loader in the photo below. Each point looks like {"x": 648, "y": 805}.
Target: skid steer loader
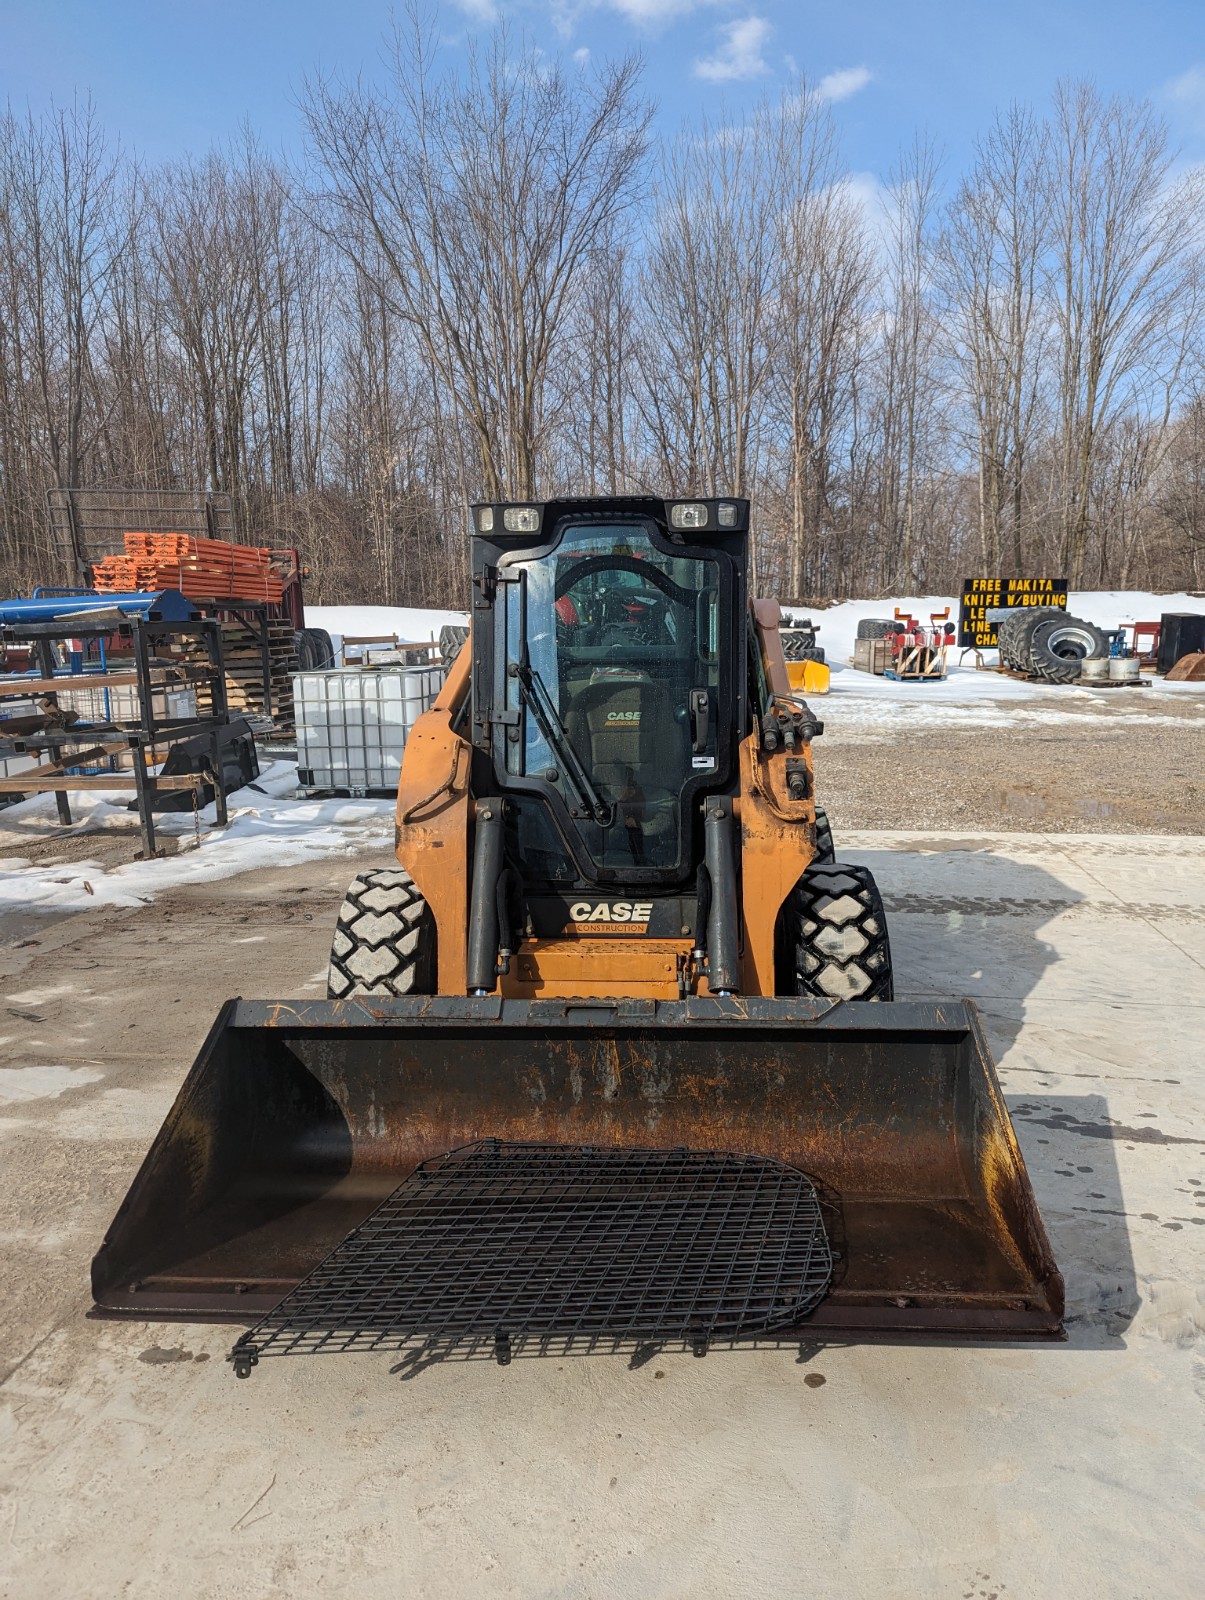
{"x": 611, "y": 1052}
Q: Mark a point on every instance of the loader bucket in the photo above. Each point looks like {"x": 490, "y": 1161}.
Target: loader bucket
{"x": 299, "y": 1118}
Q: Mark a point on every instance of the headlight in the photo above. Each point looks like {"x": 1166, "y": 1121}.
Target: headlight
{"x": 726, "y": 514}
{"x": 689, "y": 514}
{"x": 521, "y": 519}
{"x": 485, "y": 519}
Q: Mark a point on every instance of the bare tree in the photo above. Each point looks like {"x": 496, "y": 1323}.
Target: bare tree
{"x": 992, "y": 261}
{"x": 908, "y": 365}
{"x": 59, "y": 248}
{"x": 487, "y": 198}
{"x": 824, "y": 275}
{"x": 1123, "y": 280}
{"x": 706, "y": 291}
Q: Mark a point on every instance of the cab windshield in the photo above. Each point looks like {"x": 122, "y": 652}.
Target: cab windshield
{"x": 611, "y": 662}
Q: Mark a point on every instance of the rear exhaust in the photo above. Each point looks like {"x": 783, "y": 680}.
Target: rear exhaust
{"x": 300, "y": 1118}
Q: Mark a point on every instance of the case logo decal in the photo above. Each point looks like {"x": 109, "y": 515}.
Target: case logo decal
{"x": 609, "y": 916}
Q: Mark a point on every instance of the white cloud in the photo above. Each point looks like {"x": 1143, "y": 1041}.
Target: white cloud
{"x": 650, "y": 17}
{"x": 652, "y": 14}
{"x": 740, "y": 52}
{"x": 840, "y": 85}
{"x": 581, "y": 56}
{"x": 1188, "y": 93}
{"x": 483, "y": 11}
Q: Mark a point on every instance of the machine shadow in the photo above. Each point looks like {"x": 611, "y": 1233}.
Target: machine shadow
{"x": 969, "y": 923}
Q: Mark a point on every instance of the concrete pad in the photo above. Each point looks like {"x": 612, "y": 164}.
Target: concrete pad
{"x": 132, "y": 1462}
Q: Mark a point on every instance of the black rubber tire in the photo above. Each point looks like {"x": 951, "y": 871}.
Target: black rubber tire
{"x": 826, "y": 853}
{"x": 1021, "y": 630}
{"x": 1004, "y": 641}
{"x": 384, "y": 940}
{"x": 452, "y": 637}
{"x": 797, "y": 642}
{"x": 875, "y": 628}
{"x": 315, "y": 650}
{"x": 833, "y": 942}
{"x": 1013, "y": 635}
{"x": 1058, "y": 644}
{"x": 816, "y": 653}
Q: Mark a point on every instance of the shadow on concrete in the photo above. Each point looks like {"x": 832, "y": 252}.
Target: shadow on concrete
{"x": 976, "y": 931}
{"x": 1071, "y": 1140}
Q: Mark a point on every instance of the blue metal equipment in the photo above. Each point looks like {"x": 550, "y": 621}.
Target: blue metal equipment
{"x": 164, "y": 605}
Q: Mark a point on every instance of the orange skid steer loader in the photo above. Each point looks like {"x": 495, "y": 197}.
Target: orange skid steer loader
{"x": 611, "y": 1054}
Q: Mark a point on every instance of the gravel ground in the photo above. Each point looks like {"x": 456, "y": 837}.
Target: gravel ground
{"x": 1098, "y": 775}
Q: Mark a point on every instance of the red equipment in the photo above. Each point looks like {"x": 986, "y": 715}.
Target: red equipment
{"x": 918, "y": 652}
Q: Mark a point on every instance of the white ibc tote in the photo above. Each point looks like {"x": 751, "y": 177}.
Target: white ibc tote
{"x": 352, "y": 724}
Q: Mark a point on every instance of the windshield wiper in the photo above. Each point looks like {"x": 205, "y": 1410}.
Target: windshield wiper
{"x": 535, "y": 695}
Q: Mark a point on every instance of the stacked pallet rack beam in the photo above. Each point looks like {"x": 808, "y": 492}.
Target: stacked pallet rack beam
{"x": 74, "y": 756}
{"x": 191, "y": 540}
{"x": 201, "y": 569}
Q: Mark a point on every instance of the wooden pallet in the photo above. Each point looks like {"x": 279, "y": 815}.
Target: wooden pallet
{"x": 245, "y": 673}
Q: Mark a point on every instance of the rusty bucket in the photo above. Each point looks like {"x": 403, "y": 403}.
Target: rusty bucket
{"x": 299, "y": 1118}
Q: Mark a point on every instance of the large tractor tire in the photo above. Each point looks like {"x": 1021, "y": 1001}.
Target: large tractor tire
{"x": 1018, "y": 632}
{"x": 875, "y": 627}
{"x": 1059, "y": 644}
{"x": 1004, "y": 639}
{"x": 826, "y": 853}
{"x": 833, "y": 937}
{"x": 797, "y": 642}
{"x": 453, "y": 636}
{"x": 384, "y": 941}
{"x": 315, "y": 650}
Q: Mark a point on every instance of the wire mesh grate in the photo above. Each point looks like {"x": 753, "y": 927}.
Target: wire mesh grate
{"x": 505, "y": 1241}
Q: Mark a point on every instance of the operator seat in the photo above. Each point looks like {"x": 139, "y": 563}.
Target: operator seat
{"x": 622, "y": 724}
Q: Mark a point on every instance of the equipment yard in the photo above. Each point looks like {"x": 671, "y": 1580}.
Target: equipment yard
{"x": 133, "y": 1459}
{"x": 602, "y": 943}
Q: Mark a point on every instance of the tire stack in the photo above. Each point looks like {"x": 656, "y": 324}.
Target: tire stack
{"x": 799, "y": 640}
{"x": 314, "y": 649}
{"x": 1044, "y": 642}
{"x": 453, "y": 636}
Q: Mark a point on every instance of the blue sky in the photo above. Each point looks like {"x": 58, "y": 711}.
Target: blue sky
{"x": 172, "y": 76}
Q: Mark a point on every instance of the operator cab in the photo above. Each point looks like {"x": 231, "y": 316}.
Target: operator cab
{"x": 606, "y": 678}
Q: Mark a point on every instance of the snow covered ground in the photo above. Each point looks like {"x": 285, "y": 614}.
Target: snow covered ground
{"x": 268, "y": 827}
{"x": 858, "y": 699}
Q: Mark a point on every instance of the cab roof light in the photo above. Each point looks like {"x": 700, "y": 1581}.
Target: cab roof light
{"x": 485, "y": 519}
{"x": 688, "y": 514}
{"x": 521, "y": 519}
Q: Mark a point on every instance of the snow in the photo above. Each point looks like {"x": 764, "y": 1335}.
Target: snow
{"x": 858, "y": 699}
{"x": 987, "y": 698}
{"x": 411, "y": 624}
{"x": 271, "y": 828}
